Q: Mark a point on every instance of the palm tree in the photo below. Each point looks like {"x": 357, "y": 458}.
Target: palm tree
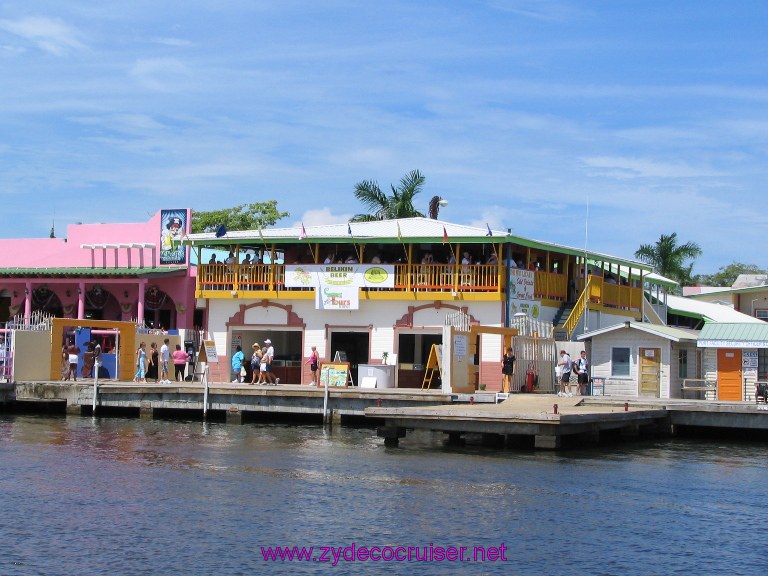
{"x": 668, "y": 259}
{"x": 383, "y": 207}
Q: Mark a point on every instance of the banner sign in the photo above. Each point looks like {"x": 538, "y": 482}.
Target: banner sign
{"x": 337, "y": 285}
{"x": 521, "y": 284}
{"x": 173, "y": 225}
{"x": 531, "y": 308}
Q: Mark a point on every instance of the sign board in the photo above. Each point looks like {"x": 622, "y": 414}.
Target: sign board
{"x": 337, "y": 286}
{"x": 209, "y": 350}
{"x": 521, "y": 284}
{"x": 749, "y": 359}
{"x": 334, "y": 374}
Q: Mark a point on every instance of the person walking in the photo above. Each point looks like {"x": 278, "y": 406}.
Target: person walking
{"x": 165, "y": 357}
{"x": 508, "y": 371}
{"x": 267, "y": 358}
{"x": 583, "y": 372}
{"x": 256, "y": 377}
{"x": 237, "y": 364}
{"x": 141, "y": 363}
{"x": 313, "y": 361}
{"x": 565, "y": 365}
{"x": 179, "y": 361}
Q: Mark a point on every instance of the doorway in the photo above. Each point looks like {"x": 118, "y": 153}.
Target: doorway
{"x": 729, "y": 374}
{"x": 650, "y": 372}
{"x": 356, "y": 346}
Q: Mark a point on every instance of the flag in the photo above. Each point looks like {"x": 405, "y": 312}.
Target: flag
{"x": 489, "y": 229}
{"x": 445, "y": 236}
{"x": 349, "y": 229}
{"x": 399, "y": 234}
{"x": 303, "y": 233}
{"x": 221, "y": 231}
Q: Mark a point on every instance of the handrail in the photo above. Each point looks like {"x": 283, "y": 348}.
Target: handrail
{"x": 581, "y": 304}
{"x": 650, "y": 313}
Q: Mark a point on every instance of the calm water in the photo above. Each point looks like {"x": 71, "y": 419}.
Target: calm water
{"x": 119, "y": 496}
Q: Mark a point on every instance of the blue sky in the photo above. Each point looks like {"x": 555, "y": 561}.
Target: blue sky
{"x": 653, "y": 114}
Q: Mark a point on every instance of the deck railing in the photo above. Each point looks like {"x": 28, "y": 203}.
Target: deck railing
{"x": 451, "y": 278}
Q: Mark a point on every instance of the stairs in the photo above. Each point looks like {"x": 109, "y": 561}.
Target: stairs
{"x": 560, "y": 317}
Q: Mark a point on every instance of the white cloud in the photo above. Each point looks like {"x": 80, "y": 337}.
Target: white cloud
{"x": 623, "y": 167}
{"x": 160, "y": 74}
{"x": 50, "y": 35}
{"x": 320, "y": 217}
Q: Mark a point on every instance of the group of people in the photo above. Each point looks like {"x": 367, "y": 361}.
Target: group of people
{"x": 565, "y": 367}
{"x": 154, "y": 365}
{"x": 70, "y": 357}
{"x": 257, "y": 370}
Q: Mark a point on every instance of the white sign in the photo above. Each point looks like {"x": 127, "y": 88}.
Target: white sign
{"x": 531, "y": 308}
{"x": 749, "y": 359}
{"x": 336, "y": 285}
{"x": 521, "y": 284}
{"x": 210, "y": 352}
{"x": 459, "y": 345}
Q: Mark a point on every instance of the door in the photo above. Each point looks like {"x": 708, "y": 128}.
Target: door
{"x": 355, "y": 344}
{"x": 729, "y": 385}
{"x": 650, "y": 372}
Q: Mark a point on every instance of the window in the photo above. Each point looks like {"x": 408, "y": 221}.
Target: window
{"x": 682, "y": 363}
{"x": 620, "y": 362}
{"x": 762, "y": 363}
{"x": 762, "y": 314}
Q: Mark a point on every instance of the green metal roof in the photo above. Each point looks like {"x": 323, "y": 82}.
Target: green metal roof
{"x": 89, "y": 272}
{"x": 736, "y": 335}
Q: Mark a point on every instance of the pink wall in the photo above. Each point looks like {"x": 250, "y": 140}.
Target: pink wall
{"x": 61, "y": 253}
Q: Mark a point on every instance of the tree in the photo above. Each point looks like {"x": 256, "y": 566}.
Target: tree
{"x": 252, "y": 216}
{"x": 726, "y": 275}
{"x": 668, "y": 259}
{"x": 383, "y": 207}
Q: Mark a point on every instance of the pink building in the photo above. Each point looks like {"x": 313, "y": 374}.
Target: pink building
{"x": 129, "y": 272}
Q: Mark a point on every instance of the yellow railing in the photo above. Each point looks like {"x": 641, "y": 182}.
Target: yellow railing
{"x": 613, "y": 295}
{"x": 550, "y": 286}
{"x": 581, "y": 304}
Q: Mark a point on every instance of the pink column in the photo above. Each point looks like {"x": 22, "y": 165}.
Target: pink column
{"x": 81, "y": 300}
{"x": 27, "y": 302}
{"x": 140, "y": 312}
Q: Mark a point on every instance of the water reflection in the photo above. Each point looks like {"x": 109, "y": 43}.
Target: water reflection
{"x": 93, "y": 496}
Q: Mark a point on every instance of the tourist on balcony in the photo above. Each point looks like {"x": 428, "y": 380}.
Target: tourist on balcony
{"x": 213, "y": 259}
{"x": 492, "y": 258}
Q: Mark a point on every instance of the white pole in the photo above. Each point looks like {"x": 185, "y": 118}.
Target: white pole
{"x": 95, "y": 386}
{"x": 205, "y": 391}
{"x": 586, "y": 268}
{"x": 325, "y": 398}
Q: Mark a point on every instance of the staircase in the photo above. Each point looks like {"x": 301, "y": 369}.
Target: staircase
{"x": 559, "y": 320}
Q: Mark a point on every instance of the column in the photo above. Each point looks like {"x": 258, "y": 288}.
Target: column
{"x": 140, "y": 312}
{"x": 27, "y": 302}
{"x": 81, "y": 300}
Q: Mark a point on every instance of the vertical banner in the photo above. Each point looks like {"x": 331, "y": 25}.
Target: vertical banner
{"x": 173, "y": 226}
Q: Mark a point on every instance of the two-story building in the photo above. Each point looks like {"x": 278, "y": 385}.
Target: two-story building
{"x": 385, "y": 288}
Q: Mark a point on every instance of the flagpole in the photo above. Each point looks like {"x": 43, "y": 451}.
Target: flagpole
{"x": 586, "y": 267}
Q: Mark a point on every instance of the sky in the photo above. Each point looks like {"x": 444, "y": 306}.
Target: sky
{"x": 600, "y": 124}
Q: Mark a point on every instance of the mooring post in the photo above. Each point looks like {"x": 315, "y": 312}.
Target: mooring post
{"x": 391, "y": 435}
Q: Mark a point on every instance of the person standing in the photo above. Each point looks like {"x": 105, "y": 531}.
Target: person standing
{"x": 268, "y": 358}
{"x": 237, "y": 364}
{"x": 152, "y": 368}
{"x": 508, "y": 370}
{"x": 565, "y": 365}
{"x": 141, "y": 363}
{"x": 179, "y": 361}
{"x": 313, "y": 361}
{"x": 72, "y": 357}
{"x": 583, "y": 372}
{"x": 165, "y": 357}
{"x": 96, "y": 358}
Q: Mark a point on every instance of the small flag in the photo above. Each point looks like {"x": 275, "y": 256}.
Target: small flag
{"x": 349, "y": 229}
{"x": 221, "y": 231}
{"x": 489, "y": 229}
{"x": 445, "y": 236}
{"x": 399, "y": 234}
{"x": 303, "y": 233}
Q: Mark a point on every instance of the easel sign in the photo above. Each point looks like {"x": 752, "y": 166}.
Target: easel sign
{"x": 208, "y": 352}
{"x": 335, "y": 374}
